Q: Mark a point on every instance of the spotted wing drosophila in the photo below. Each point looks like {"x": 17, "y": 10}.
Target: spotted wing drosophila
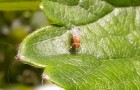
{"x": 75, "y": 37}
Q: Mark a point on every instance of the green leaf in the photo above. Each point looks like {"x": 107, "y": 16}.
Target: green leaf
{"x": 75, "y": 12}
{"x": 124, "y": 3}
{"x": 14, "y": 5}
{"x": 109, "y": 53}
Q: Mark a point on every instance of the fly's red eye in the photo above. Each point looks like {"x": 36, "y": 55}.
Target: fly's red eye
{"x": 75, "y": 45}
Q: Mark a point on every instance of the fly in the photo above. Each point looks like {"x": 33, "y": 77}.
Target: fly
{"x": 75, "y": 37}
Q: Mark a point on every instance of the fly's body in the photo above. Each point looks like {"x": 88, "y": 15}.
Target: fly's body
{"x": 75, "y": 38}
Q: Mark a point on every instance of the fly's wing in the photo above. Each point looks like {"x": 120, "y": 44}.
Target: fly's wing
{"x": 76, "y": 32}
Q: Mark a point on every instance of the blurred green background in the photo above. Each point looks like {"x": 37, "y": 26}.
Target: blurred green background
{"x": 14, "y": 27}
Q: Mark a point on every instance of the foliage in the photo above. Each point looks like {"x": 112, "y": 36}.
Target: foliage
{"x": 18, "y": 5}
{"x": 108, "y": 57}
{"x": 14, "y": 27}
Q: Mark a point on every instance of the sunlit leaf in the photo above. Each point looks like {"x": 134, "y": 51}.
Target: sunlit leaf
{"x": 14, "y": 5}
{"x": 109, "y": 53}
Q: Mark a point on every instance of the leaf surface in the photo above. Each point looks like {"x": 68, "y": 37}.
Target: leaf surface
{"x": 109, "y": 53}
{"x": 15, "y": 5}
